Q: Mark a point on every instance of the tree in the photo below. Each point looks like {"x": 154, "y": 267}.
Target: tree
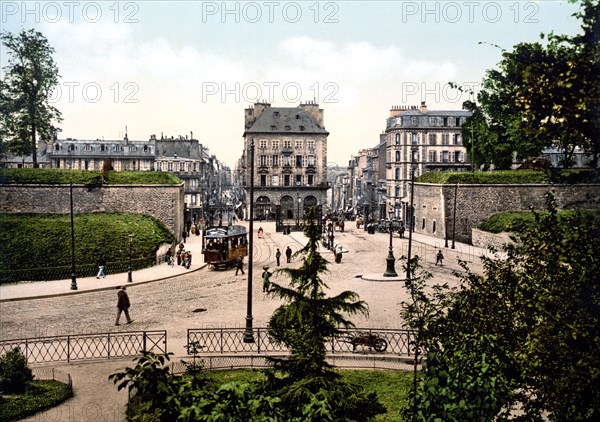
{"x": 30, "y": 78}
{"x": 304, "y": 323}
{"x": 524, "y": 334}
{"x": 542, "y": 96}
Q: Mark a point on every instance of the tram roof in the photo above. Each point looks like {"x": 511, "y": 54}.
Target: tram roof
{"x": 221, "y": 232}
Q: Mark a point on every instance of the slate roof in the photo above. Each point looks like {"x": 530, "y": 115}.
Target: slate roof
{"x": 285, "y": 120}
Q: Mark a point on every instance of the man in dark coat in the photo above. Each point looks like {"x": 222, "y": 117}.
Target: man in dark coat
{"x": 288, "y": 254}
{"x": 123, "y": 305}
{"x": 239, "y": 266}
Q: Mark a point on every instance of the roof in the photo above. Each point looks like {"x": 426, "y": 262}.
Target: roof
{"x": 287, "y": 120}
{"x": 221, "y": 232}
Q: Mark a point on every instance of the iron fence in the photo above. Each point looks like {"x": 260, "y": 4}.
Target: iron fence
{"x": 340, "y": 361}
{"x": 88, "y": 346}
{"x": 231, "y": 340}
{"x": 81, "y": 270}
{"x": 52, "y": 374}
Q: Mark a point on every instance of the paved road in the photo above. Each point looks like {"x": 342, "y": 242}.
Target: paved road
{"x": 170, "y": 304}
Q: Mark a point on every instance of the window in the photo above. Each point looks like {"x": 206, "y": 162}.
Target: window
{"x": 310, "y": 178}
{"x": 170, "y": 166}
{"x": 275, "y": 160}
{"x": 414, "y": 121}
{"x": 275, "y": 180}
{"x": 87, "y": 147}
{"x": 263, "y": 161}
{"x": 273, "y": 127}
{"x": 457, "y": 139}
{"x": 445, "y": 139}
{"x": 310, "y": 144}
{"x": 451, "y": 121}
{"x": 397, "y": 191}
{"x": 301, "y": 128}
{"x": 287, "y": 160}
{"x": 275, "y": 144}
{"x": 286, "y": 180}
{"x": 432, "y": 121}
{"x": 458, "y": 156}
{"x": 287, "y": 128}
{"x": 298, "y": 161}
{"x": 444, "y": 156}
{"x": 145, "y": 148}
{"x": 414, "y": 138}
{"x": 311, "y": 160}
{"x": 71, "y": 147}
{"x": 432, "y": 138}
{"x": 299, "y": 143}
{"x": 397, "y": 173}
{"x": 182, "y": 166}
{"x": 397, "y": 156}
{"x": 397, "y": 139}
{"x": 276, "y": 113}
{"x": 262, "y": 144}
{"x": 423, "y": 224}
{"x": 432, "y": 156}
{"x": 298, "y": 180}
{"x": 287, "y": 143}
{"x": 263, "y": 180}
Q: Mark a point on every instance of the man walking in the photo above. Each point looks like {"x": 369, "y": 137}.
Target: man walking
{"x": 278, "y": 256}
{"x": 239, "y": 266}
{"x": 101, "y": 264}
{"x": 123, "y": 306}
{"x": 288, "y": 254}
{"x": 266, "y": 279}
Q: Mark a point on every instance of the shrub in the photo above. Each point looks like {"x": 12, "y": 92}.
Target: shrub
{"x": 14, "y": 372}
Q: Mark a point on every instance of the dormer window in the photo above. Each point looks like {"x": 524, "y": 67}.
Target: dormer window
{"x": 276, "y": 114}
{"x": 301, "y": 128}
{"x": 288, "y": 128}
{"x": 297, "y": 116}
{"x": 273, "y": 127}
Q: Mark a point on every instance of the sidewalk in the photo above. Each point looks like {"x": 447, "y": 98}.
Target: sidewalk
{"x": 44, "y": 289}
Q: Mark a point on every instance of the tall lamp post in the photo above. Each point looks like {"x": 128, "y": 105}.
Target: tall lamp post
{"x": 129, "y": 277}
{"x": 73, "y": 274}
{"x": 249, "y": 332}
{"x": 410, "y": 213}
{"x": 298, "y": 213}
{"x": 390, "y": 271}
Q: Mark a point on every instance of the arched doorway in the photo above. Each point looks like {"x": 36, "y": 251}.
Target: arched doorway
{"x": 287, "y": 207}
{"x": 262, "y": 208}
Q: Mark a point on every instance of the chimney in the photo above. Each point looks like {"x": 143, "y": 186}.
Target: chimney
{"x": 312, "y": 108}
{"x": 423, "y": 108}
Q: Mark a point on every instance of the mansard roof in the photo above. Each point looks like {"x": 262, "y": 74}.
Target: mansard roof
{"x": 286, "y": 120}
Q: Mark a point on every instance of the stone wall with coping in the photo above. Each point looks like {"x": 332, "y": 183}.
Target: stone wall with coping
{"x": 164, "y": 202}
{"x": 435, "y": 204}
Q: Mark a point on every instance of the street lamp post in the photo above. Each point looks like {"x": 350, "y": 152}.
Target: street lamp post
{"x": 73, "y": 274}
{"x": 249, "y": 332}
{"x": 129, "y": 277}
{"x": 298, "y": 213}
{"x": 391, "y": 269}
{"x": 410, "y": 213}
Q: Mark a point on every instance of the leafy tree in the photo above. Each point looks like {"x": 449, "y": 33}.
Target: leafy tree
{"x": 524, "y": 334}
{"x": 304, "y": 323}
{"x": 30, "y": 78}
{"x": 541, "y": 96}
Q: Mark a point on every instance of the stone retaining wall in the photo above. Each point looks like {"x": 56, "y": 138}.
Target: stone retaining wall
{"x": 435, "y": 204}
{"x": 164, "y": 202}
{"x": 483, "y": 239}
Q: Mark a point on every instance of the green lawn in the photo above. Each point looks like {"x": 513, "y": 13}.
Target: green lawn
{"x": 392, "y": 387}
{"x": 40, "y": 395}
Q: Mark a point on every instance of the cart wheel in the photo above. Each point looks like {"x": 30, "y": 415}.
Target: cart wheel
{"x": 380, "y": 345}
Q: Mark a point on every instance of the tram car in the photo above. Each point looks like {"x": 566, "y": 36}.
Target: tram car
{"x": 223, "y": 246}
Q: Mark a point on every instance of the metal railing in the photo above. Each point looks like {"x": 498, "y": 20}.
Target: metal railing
{"x": 231, "y": 340}
{"x": 52, "y": 374}
{"x": 81, "y": 270}
{"x": 88, "y": 346}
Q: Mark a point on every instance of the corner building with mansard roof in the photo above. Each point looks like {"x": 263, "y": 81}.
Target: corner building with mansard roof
{"x": 290, "y": 160}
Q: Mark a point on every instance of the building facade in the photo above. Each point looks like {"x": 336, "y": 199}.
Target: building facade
{"x": 419, "y": 141}
{"x": 290, "y": 160}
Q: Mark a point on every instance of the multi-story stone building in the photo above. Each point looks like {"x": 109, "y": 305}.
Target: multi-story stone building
{"x": 421, "y": 140}
{"x": 290, "y": 159}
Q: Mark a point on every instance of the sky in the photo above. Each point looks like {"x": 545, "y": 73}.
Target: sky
{"x": 190, "y": 68}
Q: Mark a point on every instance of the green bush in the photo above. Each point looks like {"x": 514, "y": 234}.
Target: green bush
{"x": 517, "y": 221}
{"x": 497, "y": 177}
{"x": 14, "y": 372}
{"x": 40, "y": 395}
